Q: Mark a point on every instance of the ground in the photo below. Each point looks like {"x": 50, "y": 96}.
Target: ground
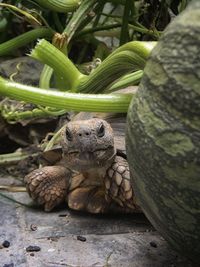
{"x": 68, "y": 238}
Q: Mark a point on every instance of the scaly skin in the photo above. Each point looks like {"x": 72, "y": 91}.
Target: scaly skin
{"x": 90, "y": 177}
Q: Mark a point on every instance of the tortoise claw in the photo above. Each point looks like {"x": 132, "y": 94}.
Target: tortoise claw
{"x": 48, "y": 186}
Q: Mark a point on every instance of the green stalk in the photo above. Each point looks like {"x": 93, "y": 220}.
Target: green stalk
{"x": 78, "y": 17}
{"x": 129, "y": 79}
{"x": 62, "y": 6}
{"x": 63, "y": 67}
{"x": 16, "y": 116}
{"x": 23, "y": 39}
{"x": 57, "y": 22}
{"x": 124, "y": 36}
{"x": 127, "y": 58}
{"x": 45, "y": 77}
{"x": 12, "y": 158}
{"x": 144, "y": 30}
{"x": 96, "y": 29}
{"x": 68, "y": 101}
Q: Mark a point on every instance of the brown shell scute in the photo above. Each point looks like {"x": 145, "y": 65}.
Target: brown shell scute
{"x": 48, "y": 186}
{"x": 118, "y": 186}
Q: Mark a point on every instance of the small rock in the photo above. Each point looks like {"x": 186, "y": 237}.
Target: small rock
{"x": 153, "y": 244}
{"x": 8, "y": 265}
{"x": 62, "y": 215}
{"x": 6, "y": 244}
{"x": 33, "y": 227}
{"x": 81, "y": 238}
{"x": 33, "y": 249}
{"x": 51, "y": 250}
{"x": 32, "y": 254}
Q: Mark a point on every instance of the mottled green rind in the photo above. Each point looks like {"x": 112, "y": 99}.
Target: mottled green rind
{"x": 163, "y": 135}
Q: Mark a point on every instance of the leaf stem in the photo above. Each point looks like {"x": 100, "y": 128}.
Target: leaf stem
{"x": 8, "y": 47}
{"x": 67, "y": 101}
{"x": 63, "y": 67}
{"x": 62, "y": 6}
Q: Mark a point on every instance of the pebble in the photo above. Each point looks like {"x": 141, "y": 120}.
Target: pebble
{"x": 62, "y": 215}
{"x": 6, "y": 244}
{"x": 33, "y": 227}
{"x": 8, "y": 265}
{"x": 153, "y": 244}
{"x": 33, "y": 249}
{"x": 81, "y": 238}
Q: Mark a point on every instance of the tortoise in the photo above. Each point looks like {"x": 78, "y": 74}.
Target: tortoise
{"x": 90, "y": 172}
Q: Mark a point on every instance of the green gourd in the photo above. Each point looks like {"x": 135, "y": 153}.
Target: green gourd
{"x": 163, "y": 135}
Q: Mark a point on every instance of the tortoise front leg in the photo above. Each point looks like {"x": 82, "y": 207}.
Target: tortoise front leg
{"x": 48, "y": 186}
{"x": 118, "y": 186}
{"x": 85, "y": 196}
{"x": 118, "y": 197}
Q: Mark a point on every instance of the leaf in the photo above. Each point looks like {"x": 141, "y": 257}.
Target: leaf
{"x": 26, "y": 14}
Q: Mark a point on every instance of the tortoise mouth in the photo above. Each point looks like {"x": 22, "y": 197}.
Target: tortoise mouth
{"x": 78, "y": 160}
{"x": 89, "y": 151}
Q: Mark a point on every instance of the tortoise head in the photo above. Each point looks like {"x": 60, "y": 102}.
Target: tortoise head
{"x": 88, "y": 144}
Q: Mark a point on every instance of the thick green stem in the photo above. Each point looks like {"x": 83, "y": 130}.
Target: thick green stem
{"x": 125, "y": 59}
{"x": 45, "y": 77}
{"x": 62, "y": 6}
{"x": 23, "y": 39}
{"x": 129, "y": 79}
{"x": 68, "y": 101}
{"x": 63, "y": 67}
{"x": 79, "y": 16}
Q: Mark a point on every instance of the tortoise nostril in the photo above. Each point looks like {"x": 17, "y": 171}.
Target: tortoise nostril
{"x": 84, "y": 133}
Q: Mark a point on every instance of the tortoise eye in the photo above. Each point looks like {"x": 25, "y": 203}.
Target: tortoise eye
{"x": 101, "y": 131}
{"x": 68, "y": 135}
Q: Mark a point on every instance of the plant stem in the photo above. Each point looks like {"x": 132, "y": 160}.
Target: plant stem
{"x": 16, "y": 116}
{"x": 23, "y": 39}
{"x": 62, "y": 6}
{"x": 124, "y": 36}
{"x": 129, "y": 79}
{"x": 68, "y": 101}
{"x": 96, "y": 29}
{"x": 63, "y": 67}
{"x": 12, "y": 158}
{"x": 127, "y": 58}
{"x": 144, "y": 30}
{"x": 45, "y": 77}
{"x": 78, "y": 17}
{"x": 10, "y": 188}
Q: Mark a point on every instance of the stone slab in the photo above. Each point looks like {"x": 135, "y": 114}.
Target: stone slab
{"x": 112, "y": 240}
